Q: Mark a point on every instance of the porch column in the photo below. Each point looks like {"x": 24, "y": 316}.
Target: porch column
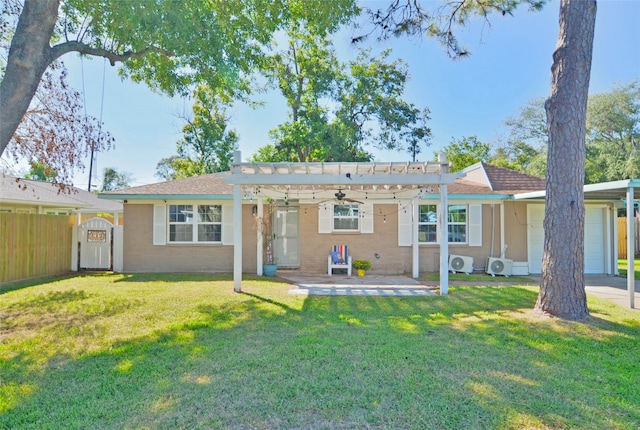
{"x": 237, "y": 231}
{"x": 631, "y": 238}
{"x": 444, "y": 229}
{"x": 259, "y": 227}
{"x": 414, "y": 235}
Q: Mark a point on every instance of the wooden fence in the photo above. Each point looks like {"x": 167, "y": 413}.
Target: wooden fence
{"x": 622, "y": 237}
{"x": 34, "y": 246}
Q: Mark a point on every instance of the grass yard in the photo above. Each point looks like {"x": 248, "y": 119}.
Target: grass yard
{"x": 622, "y": 268}
{"x": 160, "y": 351}
{"x": 475, "y": 278}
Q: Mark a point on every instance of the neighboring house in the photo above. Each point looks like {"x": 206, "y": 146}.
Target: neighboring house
{"x": 36, "y": 244}
{"x": 18, "y": 195}
{"x": 188, "y": 224}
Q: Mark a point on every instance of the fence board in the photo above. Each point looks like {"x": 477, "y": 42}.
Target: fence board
{"x": 34, "y": 245}
{"x": 622, "y": 237}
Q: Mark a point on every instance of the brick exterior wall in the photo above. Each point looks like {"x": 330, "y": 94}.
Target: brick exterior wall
{"x": 140, "y": 255}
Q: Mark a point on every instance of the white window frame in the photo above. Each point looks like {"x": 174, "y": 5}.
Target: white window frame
{"x": 194, "y": 222}
{"x": 449, "y": 223}
{"x": 351, "y": 217}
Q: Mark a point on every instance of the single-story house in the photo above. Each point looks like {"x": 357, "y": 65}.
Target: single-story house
{"x": 388, "y": 213}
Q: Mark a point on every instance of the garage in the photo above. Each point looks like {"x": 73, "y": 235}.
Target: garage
{"x": 594, "y": 238}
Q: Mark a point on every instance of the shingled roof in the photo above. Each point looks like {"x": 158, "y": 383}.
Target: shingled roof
{"x": 482, "y": 178}
{"x": 503, "y": 181}
{"x": 39, "y": 193}
{"x": 197, "y": 185}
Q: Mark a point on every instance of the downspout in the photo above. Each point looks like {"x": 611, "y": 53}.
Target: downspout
{"x": 493, "y": 226}
{"x": 503, "y": 244}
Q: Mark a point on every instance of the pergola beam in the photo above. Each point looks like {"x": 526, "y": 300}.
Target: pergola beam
{"x": 329, "y": 179}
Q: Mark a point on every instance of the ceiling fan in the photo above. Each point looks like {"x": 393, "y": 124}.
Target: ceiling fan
{"x": 341, "y": 197}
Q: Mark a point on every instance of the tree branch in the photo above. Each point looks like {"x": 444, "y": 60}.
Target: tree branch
{"x": 82, "y": 48}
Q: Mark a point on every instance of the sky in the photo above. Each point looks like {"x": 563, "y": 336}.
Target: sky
{"x": 509, "y": 65}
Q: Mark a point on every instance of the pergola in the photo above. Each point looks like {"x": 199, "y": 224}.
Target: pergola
{"x": 616, "y": 190}
{"x": 306, "y": 179}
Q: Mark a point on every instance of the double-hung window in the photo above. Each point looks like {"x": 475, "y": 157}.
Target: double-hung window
{"x": 428, "y": 229}
{"x": 345, "y": 217}
{"x": 195, "y": 223}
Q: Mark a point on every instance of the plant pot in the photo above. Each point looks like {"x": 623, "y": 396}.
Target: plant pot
{"x": 269, "y": 269}
{"x": 361, "y": 272}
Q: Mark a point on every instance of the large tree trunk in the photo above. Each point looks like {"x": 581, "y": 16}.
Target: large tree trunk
{"x": 562, "y": 290}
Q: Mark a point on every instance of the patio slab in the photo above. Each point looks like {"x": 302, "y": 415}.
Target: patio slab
{"x": 370, "y": 285}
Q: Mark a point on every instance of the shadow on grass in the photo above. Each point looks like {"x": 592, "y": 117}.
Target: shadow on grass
{"x": 467, "y": 360}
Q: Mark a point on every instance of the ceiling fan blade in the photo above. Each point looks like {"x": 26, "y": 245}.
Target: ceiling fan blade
{"x": 353, "y": 201}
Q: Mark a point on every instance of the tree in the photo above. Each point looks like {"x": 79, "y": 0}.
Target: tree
{"x": 114, "y": 180}
{"x": 465, "y": 152}
{"x": 562, "y": 290}
{"x": 338, "y": 110}
{"x": 206, "y": 146}
{"x": 613, "y": 134}
{"x": 41, "y": 172}
{"x": 526, "y": 146}
{"x": 54, "y": 131}
{"x": 168, "y": 45}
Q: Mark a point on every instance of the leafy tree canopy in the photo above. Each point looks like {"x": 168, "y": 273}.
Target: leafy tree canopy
{"x": 114, "y": 180}
{"x": 41, "y": 172}
{"x": 207, "y": 145}
{"x": 170, "y": 45}
{"x": 466, "y": 151}
{"x": 612, "y": 137}
{"x": 337, "y": 110}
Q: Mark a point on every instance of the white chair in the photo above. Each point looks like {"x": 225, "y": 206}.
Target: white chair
{"x": 339, "y": 258}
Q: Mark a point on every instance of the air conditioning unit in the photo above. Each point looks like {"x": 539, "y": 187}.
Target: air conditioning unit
{"x": 499, "y": 266}
{"x": 460, "y": 263}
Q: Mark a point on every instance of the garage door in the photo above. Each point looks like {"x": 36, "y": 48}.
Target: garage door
{"x": 594, "y": 248}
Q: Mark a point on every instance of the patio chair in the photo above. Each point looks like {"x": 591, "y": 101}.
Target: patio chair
{"x": 339, "y": 258}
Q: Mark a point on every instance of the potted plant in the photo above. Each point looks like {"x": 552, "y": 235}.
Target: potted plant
{"x": 270, "y": 265}
{"x": 361, "y": 266}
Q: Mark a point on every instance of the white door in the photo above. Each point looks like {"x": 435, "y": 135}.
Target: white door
{"x": 594, "y": 240}
{"x": 535, "y": 232}
{"x": 594, "y": 245}
{"x": 95, "y": 244}
{"x": 286, "y": 242}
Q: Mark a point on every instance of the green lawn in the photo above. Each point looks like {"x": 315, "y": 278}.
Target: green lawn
{"x": 622, "y": 267}
{"x": 184, "y": 351}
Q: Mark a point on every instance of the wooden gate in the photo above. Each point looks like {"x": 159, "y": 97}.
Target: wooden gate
{"x": 95, "y": 240}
